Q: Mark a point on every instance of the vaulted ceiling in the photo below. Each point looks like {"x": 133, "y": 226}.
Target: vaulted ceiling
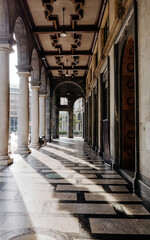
{"x": 81, "y": 20}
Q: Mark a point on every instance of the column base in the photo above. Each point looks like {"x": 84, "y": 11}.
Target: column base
{"x": 22, "y": 151}
{"x": 5, "y": 160}
{"x": 35, "y": 146}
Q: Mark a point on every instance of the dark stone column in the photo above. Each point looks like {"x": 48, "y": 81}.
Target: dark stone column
{"x": 70, "y": 124}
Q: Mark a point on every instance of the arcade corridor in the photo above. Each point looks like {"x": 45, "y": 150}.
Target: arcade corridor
{"x": 73, "y": 188}
{"x": 64, "y": 192}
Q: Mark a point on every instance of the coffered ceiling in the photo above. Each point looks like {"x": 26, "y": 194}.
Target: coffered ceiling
{"x": 81, "y": 21}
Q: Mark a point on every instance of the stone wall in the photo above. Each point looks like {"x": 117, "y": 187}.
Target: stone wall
{"x": 144, "y": 85}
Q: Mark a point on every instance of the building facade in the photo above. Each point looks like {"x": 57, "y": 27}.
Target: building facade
{"x": 14, "y": 100}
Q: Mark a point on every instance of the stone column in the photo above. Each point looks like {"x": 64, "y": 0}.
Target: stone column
{"x": 4, "y": 105}
{"x": 70, "y": 124}
{"x": 48, "y": 119}
{"x": 35, "y": 117}
{"x": 42, "y": 101}
{"x": 89, "y": 120}
{"x": 93, "y": 118}
{"x": 53, "y": 119}
{"x": 57, "y": 123}
{"x": 23, "y": 113}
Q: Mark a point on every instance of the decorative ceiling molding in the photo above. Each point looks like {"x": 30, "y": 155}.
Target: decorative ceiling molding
{"x": 54, "y": 38}
{"x": 77, "y": 42}
{"x": 75, "y": 73}
{"x": 75, "y": 61}
{"x": 59, "y": 61}
{"x": 47, "y": 4}
{"x": 79, "y": 12}
{"x": 60, "y": 73}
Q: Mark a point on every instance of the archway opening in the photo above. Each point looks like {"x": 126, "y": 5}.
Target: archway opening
{"x": 128, "y": 109}
{"x": 78, "y": 112}
{"x": 14, "y": 91}
{"x": 63, "y": 123}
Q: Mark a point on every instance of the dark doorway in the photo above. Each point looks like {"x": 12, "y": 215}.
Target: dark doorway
{"x": 128, "y": 108}
{"x": 105, "y": 116}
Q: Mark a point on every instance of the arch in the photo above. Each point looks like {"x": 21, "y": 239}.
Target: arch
{"x": 22, "y": 42}
{"x": 128, "y": 107}
{"x": 78, "y": 110}
{"x": 35, "y": 74}
{"x": 69, "y": 82}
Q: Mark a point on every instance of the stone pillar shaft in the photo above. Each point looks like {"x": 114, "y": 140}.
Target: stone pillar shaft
{"x": 53, "y": 117}
{"x": 70, "y": 124}
{"x": 89, "y": 121}
{"x": 57, "y": 123}
{"x": 48, "y": 119}
{"x": 93, "y": 118}
{"x": 23, "y": 113}
{"x": 42, "y": 101}
{"x": 4, "y": 105}
{"x": 35, "y": 117}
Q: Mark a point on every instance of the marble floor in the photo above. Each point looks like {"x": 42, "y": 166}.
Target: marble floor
{"x": 63, "y": 191}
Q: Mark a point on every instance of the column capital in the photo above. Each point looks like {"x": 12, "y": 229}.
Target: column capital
{"x": 35, "y": 87}
{"x": 42, "y": 95}
{"x": 6, "y": 43}
{"x": 24, "y": 74}
{"x": 6, "y": 48}
{"x": 35, "y": 83}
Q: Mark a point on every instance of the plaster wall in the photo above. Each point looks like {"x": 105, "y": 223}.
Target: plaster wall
{"x": 144, "y": 85}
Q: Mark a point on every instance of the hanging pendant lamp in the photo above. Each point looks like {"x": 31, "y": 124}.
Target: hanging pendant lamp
{"x": 67, "y": 74}
{"x": 63, "y": 33}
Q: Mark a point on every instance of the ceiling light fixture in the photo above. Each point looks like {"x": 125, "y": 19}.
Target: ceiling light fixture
{"x": 67, "y": 74}
{"x": 63, "y": 33}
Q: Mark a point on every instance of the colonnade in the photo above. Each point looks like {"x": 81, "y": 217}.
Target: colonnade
{"x": 38, "y": 109}
{"x": 40, "y": 103}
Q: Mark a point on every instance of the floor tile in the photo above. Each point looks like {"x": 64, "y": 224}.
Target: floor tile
{"x": 114, "y": 197}
{"x": 89, "y": 188}
{"x": 82, "y": 208}
{"x": 120, "y": 226}
{"x": 118, "y": 189}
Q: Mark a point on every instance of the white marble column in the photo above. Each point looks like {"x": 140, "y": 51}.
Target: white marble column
{"x": 70, "y": 124}
{"x": 53, "y": 117}
{"x": 35, "y": 117}
{"x": 23, "y": 113}
{"x": 48, "y": 118}
{"x": 42, "y": 102}
{"x": 4, "y": 105}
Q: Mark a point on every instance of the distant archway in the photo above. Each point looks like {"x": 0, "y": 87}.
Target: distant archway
{"x": 78, "y": 117}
